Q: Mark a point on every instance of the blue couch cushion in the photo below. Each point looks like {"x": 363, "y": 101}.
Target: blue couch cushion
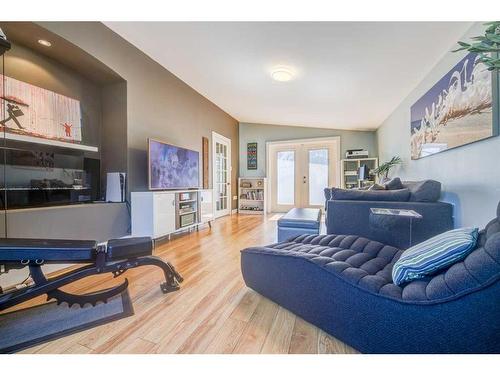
{"x": 423, "y": 191}
{"x": 394, "y": 184}
{"x": 377, "y": 187}
{"x": 301, "y": 218}
{"x": 328, "y": 193}
{"x": 436, "y": 253}
{"x": 401, "y": 195}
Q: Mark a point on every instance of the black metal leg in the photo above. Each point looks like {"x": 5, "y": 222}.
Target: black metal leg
{"x": 172, "y": 277}
{"x": 42, "y": 285}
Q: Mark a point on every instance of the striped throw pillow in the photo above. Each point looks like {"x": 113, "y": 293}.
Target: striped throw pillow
{"x": 434, "y": 254}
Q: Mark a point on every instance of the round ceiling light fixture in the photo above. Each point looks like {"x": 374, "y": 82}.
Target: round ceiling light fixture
{"x": 44, "y": 42}
{"x": 282, "y": 74}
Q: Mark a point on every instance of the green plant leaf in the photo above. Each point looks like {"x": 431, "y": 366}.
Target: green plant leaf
{"x": 493, "y": 37}
{"x": 493, "y": 27}
{"x": 486, "y": 44}
{"x": 384, "y": 168}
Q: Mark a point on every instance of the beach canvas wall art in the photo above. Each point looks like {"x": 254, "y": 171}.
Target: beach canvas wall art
{"x": 34, "y": 111}
{"x": 456, "y": 111}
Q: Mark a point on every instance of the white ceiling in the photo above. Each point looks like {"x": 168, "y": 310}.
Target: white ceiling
{"x": 350, "y": 75}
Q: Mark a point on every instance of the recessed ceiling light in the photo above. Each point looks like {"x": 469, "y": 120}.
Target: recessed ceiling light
{"x": 282, "y": 74}
{"x": 44, "y": 42}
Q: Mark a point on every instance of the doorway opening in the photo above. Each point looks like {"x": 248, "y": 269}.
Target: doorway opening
{"x": 299, "y": 170}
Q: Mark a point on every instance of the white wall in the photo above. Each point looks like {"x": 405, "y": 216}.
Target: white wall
{"x": 470, "y": 175}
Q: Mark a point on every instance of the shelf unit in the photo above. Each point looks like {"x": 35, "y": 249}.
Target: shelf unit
{"x": 349, "y": 172}
{"x": 252, "y": 192}
{"x": 48, "y": 142}
{"x": 186, "y": 209}
{"x": 158, "y": 214}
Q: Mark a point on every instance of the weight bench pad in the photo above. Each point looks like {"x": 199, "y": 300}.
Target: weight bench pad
{"x": 55, "y": 251}
{"x": 129, "y": 248}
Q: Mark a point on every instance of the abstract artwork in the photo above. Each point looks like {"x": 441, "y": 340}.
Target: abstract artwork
{"x": 252, "y": 156}
{"x": 172, "y": 167}
{"x": 456, "y": 111}
{"x": 34, "y": 111}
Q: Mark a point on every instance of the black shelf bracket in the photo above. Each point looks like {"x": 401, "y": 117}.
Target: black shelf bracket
{"x": 4, "y": 45}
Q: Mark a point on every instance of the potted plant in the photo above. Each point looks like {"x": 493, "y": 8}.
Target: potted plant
{"x": 486, "y": 46}
{"x": 384, "y": 168}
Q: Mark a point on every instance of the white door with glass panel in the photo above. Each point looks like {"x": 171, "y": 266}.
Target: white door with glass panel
{"x": 299, "y": 171}
{"x": 221, "y": 157}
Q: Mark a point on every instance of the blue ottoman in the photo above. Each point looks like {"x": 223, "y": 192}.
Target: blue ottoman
{"x": 299, "y": 221}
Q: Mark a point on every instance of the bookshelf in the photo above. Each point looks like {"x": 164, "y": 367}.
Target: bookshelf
{"x": 349, "y": 172}
{"x": 252, "y": 193}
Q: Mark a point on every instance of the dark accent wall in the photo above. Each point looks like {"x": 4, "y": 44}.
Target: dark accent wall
{"x": 159, "y": 105}
{"x": 69, "y": 71}
{"x": 114, "y": 133}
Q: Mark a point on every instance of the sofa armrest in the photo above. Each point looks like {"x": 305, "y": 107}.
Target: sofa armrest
{"x": 353, "y": 217}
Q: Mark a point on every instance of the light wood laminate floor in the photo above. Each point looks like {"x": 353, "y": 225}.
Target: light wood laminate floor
{"x": 214, "y": 312}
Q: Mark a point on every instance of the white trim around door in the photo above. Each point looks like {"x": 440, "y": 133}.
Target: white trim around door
{"x": 301, "y": 165}
{"x": 221, "y": 174}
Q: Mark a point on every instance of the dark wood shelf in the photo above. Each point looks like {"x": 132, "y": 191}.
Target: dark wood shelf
{"x": 47, "y": 188}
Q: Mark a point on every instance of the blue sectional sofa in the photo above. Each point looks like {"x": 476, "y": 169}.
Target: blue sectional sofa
{"x": 348, "y": 212}
{"x": 343, "y": 285}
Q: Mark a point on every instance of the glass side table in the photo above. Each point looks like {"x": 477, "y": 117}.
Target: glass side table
{"x": 397, "y": 213}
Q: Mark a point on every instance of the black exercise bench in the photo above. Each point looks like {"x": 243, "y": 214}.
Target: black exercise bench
{"x": 117, "y": 256}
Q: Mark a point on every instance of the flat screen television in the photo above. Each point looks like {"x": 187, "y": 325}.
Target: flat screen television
{"x": 172, "y": 167}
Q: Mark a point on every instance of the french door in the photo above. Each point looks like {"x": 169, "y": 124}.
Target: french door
{"x": 221, "y": 156}
{"x": 300, "y": 170}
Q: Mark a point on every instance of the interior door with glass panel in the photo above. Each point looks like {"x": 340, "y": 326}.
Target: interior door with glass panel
{"x": 300, "y": 171}
{"x": 318, "y": 172}
{"x": 284, "y": 169}
{"x": 221, "y": 150}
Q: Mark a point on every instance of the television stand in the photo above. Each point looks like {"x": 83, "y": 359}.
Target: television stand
{"x": 160, "y": 214}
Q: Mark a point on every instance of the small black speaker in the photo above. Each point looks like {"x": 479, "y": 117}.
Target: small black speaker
{"x": 92, "y": 168}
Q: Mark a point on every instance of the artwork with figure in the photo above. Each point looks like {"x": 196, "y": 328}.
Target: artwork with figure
{"x": 456, "y": 111}
{"x": 172, "y": 167}
{"x": 34, "y": 111}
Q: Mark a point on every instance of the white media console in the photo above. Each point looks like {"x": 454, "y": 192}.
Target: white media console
{"x": 161, "y": 213}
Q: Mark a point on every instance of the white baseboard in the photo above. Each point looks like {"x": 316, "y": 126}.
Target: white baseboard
{"x": 234, "y": 211}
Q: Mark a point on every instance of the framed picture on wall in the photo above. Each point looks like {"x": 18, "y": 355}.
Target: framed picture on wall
{"x": 34, "y": 111}
{"x": 459, "y": 109}
{"x": 252, "y": 155}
